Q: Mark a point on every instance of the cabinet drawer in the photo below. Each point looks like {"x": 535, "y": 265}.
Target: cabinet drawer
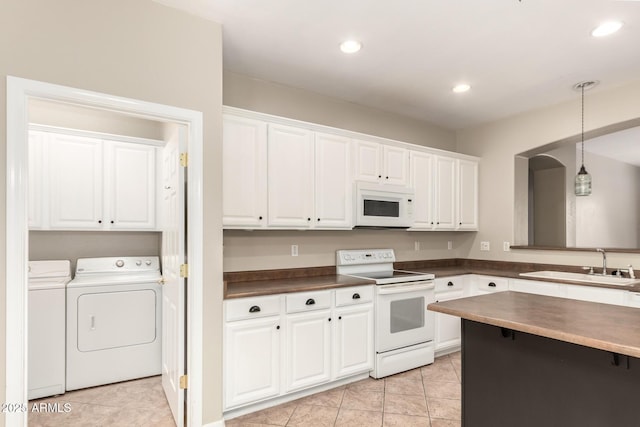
{"x": 308, "y": 301}
{"x": 351, "y": 296}
{"x": 447, "y": 284}
{"x": 491, "y": 284}
{"x": 249, "y": 308}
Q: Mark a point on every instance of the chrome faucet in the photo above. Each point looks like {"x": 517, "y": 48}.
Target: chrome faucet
{"x": 604, "y": 261}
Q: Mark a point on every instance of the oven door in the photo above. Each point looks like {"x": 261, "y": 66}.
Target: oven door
{"x": 402, "y": 318}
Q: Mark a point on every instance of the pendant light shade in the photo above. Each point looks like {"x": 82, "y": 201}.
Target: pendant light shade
{"x": 583, "y": 179}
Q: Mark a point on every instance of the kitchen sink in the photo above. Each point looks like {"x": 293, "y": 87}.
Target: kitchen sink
{"x": 582, "y": 277}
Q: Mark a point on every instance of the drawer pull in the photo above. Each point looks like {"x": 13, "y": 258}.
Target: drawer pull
{"x": 254, "y": 309}
{"x": 310, "y": 301}
{"x": 492, "y": 285}
{"x": 356, "y": 296}
{"x": 450, "y": 284}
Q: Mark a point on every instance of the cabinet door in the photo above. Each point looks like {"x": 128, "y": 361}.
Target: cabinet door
{"x": 333, "y": 186}
{"x": 467, "y": 195}
{"x": 396, "y": 165}
{"x": 75, "y": 184}
{"x": 36, "y": 191}
{"x": 445, "y": 193}
{"x": 421, "y": 173}
{"x": 244, "y": 172}
{"x": 596, "y": 294}
{"x": 538, "y": 287}
{"x": 367, "y": 161}
{"x": 308, "y": 352}
{"x": 353, "y": 340}
{"x": 130, "y": 185}
{"x": 252, "y": 360}
{"x": 291, "y": 176}
{"x": 447, "y": 328}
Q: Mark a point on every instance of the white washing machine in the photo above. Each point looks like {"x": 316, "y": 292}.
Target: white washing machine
{"x": 114, "y": 315}
{"x": 46, "y": 328}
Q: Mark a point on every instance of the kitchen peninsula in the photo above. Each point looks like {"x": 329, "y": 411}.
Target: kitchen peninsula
{"x": 531, "y": 360}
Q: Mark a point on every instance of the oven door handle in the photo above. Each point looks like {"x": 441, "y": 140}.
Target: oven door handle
{"x": 404, "y": 288}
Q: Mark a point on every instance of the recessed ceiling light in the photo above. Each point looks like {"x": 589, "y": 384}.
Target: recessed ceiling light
{"x": 606, "y": 28}
{"x": 350, "y": 46}
{"x": 462, "y": 87}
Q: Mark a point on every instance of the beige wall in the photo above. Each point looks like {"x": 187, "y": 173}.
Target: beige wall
{"x": 497, "y": 143}
{"x": 138, "y": 49}
{"x": 272, "y": 98}
{"x": 258, "y": 250}
{"x": 71, "y": 245}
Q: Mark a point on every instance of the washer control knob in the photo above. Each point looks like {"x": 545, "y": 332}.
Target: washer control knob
{"x": 119, "y": 263}
{"x": 138, "y": 263}
{"x": 148, "y": 262}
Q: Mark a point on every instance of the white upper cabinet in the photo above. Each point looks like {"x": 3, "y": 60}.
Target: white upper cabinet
{"x": 86, "y": 183}
{"x": 333, "y": 187}
{"x": 284, "y": 174}
{"x": 381, "y": 163}
{"x": 421, "y": 180}
{"x": 131, "y": 185}
{"x": 445, "y": 193}
{"x": 467, "y": 195}
{"x": 76, "y": 183}
{"x": 244, "y": 172}
{"x": 290, "y": 159}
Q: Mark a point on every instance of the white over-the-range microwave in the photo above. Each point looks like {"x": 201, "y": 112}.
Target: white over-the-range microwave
{"x": 383, "y": 205}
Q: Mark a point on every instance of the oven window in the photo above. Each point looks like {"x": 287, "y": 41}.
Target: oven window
{"x": 407, "y": 314}
{"x": 381, "y": 208}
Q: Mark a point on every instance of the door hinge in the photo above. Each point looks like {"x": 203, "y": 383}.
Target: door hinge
{"x": 184, "y": 382}
{"x": 184, "y": 270}
{"x": 184, "y": 159}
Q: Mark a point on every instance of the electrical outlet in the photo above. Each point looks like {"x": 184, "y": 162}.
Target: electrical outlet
{"x": 416, "y": 246}
{"x": 449, "y": 245}
{"x": 506, "y": 246}
{"x": 485, "y": 246}
{"x": 294, "y": 250}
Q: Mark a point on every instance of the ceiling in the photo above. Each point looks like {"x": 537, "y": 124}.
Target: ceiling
{"x": 516, "y": 55}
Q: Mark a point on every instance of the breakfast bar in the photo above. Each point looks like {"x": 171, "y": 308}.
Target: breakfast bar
{"x": 532, "y": 360}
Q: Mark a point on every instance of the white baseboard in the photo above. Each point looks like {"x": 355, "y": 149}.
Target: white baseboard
{"x": 219, "y": 423}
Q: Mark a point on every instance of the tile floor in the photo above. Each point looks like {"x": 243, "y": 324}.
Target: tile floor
{"x": 427, "y": 396}
{"x": 130, "y": 403}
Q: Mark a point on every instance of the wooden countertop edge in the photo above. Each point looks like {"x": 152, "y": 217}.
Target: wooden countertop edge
{"x": 539, "y": 330}
{"x": 290, "y": 285}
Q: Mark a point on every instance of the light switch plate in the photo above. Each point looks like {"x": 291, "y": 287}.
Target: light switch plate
{"x": 294, "y": 250}
{"x": 485, "y": 246}
{"x": 506, "y": 246}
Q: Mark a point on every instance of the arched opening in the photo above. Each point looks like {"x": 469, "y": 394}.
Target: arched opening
{"x": 547, "y": 207}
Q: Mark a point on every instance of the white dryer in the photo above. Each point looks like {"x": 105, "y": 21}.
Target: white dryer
{"x": 114, "y": 315}
{"x": 46, "y": 328}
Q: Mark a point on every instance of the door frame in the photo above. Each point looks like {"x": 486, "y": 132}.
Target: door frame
{"x": 19, "y": 91}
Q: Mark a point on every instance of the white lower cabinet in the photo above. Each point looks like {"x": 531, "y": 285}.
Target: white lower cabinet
{"x": 447, "y": 328}
{"x": 633, "y": 299}
{"x": 538, "y": 287}
{"x": 480, "y": 285}
{"x": 304, "y": 339}
{"x": 252, "y": 365}
{"x": 308, "y": 354}
{"x": 596, "y": 294}
{"x": 353, "y": 340}
{"x": 252, "y": 355}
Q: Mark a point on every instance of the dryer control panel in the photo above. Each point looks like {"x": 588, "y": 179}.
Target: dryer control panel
{"x": 118, "y": 265}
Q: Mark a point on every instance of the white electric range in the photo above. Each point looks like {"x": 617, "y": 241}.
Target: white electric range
{"x": 404, "y": 329}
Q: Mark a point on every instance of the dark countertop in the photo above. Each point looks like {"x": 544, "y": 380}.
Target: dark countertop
{"x": 285, "y": 285}
{"x": 601, "y": 326}
{"x": 269, "y": 282}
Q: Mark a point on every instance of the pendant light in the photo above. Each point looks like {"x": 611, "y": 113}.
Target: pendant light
{"x": 583, "y": 179}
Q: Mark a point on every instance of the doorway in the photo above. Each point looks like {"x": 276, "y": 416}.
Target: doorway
{"x": 19, "y": 94}
{"x": 547, "y": 202}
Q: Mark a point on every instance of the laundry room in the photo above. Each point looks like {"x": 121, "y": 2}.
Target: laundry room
{"x": 100, "y": 185}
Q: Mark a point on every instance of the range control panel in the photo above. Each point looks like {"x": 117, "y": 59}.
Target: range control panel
{"x": 364, "y": 256}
